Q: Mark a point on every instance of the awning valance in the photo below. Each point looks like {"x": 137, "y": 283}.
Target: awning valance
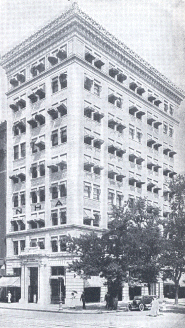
{"x": 10, "y": 282}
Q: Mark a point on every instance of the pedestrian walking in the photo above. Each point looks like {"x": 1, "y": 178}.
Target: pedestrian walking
{"x": 82, "y": 298}
{"x": 9, "y": 296}
{"x": 155, "y": 307}
{"x": 107, "y": 300}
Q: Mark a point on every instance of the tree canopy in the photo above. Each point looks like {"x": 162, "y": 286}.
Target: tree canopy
{"x": 128, "y": 249}
{"x": 173, "y": 255}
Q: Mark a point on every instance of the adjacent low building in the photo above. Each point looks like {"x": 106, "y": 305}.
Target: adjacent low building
{"x": 90, "y": 124}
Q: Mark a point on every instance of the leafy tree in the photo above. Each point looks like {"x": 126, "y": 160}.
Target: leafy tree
{"x": 173, "y": 257}
{"x": 131, "y": 244}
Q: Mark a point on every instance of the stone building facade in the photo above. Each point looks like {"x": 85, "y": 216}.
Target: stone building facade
{"x": 90, "y": 124}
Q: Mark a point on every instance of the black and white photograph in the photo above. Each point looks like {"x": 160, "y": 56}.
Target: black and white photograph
{"x": 92, "y": 163}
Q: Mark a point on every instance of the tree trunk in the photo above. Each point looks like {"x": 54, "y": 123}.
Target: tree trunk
{"x": 176, "y": 293}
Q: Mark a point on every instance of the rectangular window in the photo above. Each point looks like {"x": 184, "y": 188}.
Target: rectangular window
{"x": 54, "y": 138}
{"x": 119, "y": 102}
{"x": 34, "y": 196}
{"x": 165, "y": 128}
{"x": 63, "y": 80}
{"x": 16, "y": 152}
{"x": 54, "y": 218}
{"x": 88, "y": 83}
{"x": 139, "y": 135}
{"x": 131, "y": 132}
{"x": 42, "y": 169}
{"x": 15, "y": 201}
{"x": 87, "y": 189}
{"x": 171, "y": 132}
{"x": 97, "y": 88}
{"x": 33, "y": 242}
{"x": 42, "y": 194}
{"x": 22, "y": 245}
{"x": 54, "y": 244}
{"x": 55, "y": 192}
{"x": 165, "y": 106}
{"x": 41, "y": 243}
{"x": 33, "y": 146}
{"x": 171, "y": 110}
{"x": 23, "y": 149}
{"x": 15, "y": 247}
{"x": 111, "y": 197}
{"x": 34, "y": 171}
{"x": 62, "y": 243}
{"x": 119, "y": 198}
{"x": 54, "y": 84}
{"x": 63, "y": 189}
{"x": 96, "y": 192}
{"x": 63, "y": 134}
{"x": 63, "y": 216}
{"x": 23, "y": 200}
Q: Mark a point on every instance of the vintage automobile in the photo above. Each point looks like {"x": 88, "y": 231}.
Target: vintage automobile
{"x": 141, "y": 302}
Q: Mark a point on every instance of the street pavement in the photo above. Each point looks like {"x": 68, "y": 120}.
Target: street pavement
{"x": 12, "y": 316}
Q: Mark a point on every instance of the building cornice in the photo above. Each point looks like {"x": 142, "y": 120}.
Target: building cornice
{"x": 75, "y": 19}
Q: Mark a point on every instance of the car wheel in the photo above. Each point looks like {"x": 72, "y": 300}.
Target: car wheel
{"x": 141, "y": 307}
{"x": 130, "y": 307}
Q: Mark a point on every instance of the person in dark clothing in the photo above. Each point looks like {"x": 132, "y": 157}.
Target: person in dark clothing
{"x": 107, "y": 300}
{"x": 82, "y": 298}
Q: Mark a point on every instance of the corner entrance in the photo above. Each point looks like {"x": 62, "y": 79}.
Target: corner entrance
{"x": 33, "y": 287}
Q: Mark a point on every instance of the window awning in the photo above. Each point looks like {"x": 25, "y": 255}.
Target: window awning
{"x": 151, "y": 97}
{"x": 21, "y": 77}
{"x": 150, "y": 142}
{"x": 94, "y": 281}
{"x": 157, "y": 145}
{"x": 88, "y": 164}
{"x": 98, "y": 63}
{"x": 53, "y": 60}
{"x": 121, "y": 77}
{"x": 150, "y": 184}
{"x": 40, "y": 92}
{"x": 88, "y": 136}
{"x": 133, "y": 109}
{"x": 98, "y": 141}
{"x": 14, "y": 82}
{"x": 120, "y": 151}
{"x": 14, "y": 107}
{"x": 10, "y": 282}
{"x": 171, "y": 174}
{"x": 157, "y": 102}
{"x": 133, "y": 85}
{"x": 40, "y": 118}
{"x": 62, "y": 109}
{"x": 166, "y": 150}
{"x": 33, "y": 97}
{"x": 120, "y": 127}
{"x": 14, "y": 178}
{"x": 40, "y": 67}
{"x": 98, "y": 115}
{"x": 171, "y": 153}
{"x": 21, "y": 103}
{"x": 139, "y": 160}
{"x": 150, "y": 164}
{"x": 113, "y": 71}
{"x": 112, "y": 122}
{"x": 40, "y": 144}
{"x": 112, "y": 98}
{"x": 62, "y": 54}
{"x": 140, "y": 90}
{"x": 88, "y": 109}
{"x": 140, "y": 114}
{"x": 112, "y": 147}
{"x": 132, "y": 156}
{"x": 156, "y": 124}
{"x": 89, "y": 57}
{"x": 53, "y": 112}
{"x": 32, "y": 122}
{"x": 150, "y": 120}
{"x": 62, "y": 164}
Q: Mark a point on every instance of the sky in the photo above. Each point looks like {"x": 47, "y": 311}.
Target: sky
{"x": 154, "y": 29}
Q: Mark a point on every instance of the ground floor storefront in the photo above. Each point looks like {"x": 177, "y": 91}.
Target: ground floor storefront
{"x": 47, "y": 280}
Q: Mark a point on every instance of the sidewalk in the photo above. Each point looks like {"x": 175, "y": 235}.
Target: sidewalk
{"x": 90, "y": 307}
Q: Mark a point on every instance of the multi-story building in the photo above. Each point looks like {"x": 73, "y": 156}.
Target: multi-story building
{"x": 90, "y": 124}
{"x": 3, "y": 138}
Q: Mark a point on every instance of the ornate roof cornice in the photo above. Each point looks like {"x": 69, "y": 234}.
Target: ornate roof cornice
{"x": 93, "y": 30}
